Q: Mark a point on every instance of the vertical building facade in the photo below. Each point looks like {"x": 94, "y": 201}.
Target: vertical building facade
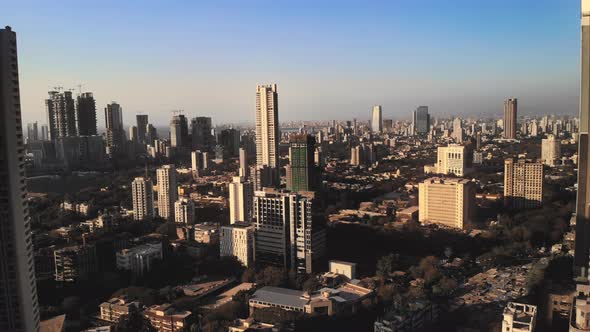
{"x": 452, "y": 159}
{"x": 510, "y": 116}
{"x": 267, "y": 128}
{"x": 142, "y": 125}
{"x": 241, "y": 195}
{"x": 238, "y": 240}
{"x": 184, "y": 211}
{"x": 377, "y": 120}
{"x": 115, "y": 134}
{"x": 449, "y": 202}
{"x": 302, "y": 173}
{"x": 61, "y": 114}
{"x": 86, "y": 114}
{"x": 550, "y": 150}
{"x": 179, "y": 131}
{"x": 421, "y": 120}
{"x": 143, "y": 198}
{"x": 167, "y": 191}
{"x": 19, "y": 311}
{"x": 523, "y": 184}
{"x": 201, "y": 133}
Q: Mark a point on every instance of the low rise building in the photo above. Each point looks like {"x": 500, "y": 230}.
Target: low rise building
{"x": 413, "y": 316}
{"x": 139, "y": 259}
{"x": 519, "y": 317}
{"x": 75, "y": 263}
{"x": 113, "y": 309}
{"x": 344, "y": 268}
{"x": 207, "y": 233}
{"x": 166, "y": 318}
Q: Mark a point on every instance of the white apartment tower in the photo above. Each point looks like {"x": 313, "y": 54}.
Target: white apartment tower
{"x": 238, "y": 240}
{"x": 447, "y": 201}
{"x": 550, "y": 150}
{"x": 452, "y": 159}
{"x": 143, "y": 198}
{"x": 267, "y": 128}
{"x": 19, "y": 311}
{"x": 167, "y": 191}
{"x": 377, "y": 120}
{"x": 241, "y": 194}
{"x": 184, "y": 211}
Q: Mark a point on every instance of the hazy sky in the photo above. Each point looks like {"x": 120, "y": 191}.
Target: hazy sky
{"x": 330, "y": 59}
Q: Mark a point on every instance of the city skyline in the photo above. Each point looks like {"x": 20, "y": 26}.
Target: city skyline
{"x": 206, "y": 77}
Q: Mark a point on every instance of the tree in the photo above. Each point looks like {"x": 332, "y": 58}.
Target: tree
{"x": 387, "y": 265}
{"x": 249, "y": 275}
{"x": 272, "y": 276}
{"x": 311, "y": 284}
{"x": 134, "y": 322}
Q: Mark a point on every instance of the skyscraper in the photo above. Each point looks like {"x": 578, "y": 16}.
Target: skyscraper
{"x": 86, "y": 114}
{"x": 286, "y": 234}
{"x": 421, "y": 120}
{"x": 179, "y": 131}
{"x": 32, "y": 132}
{"x": 167, "y": 191}
{"x": 267, "y": 129}
{"x": 244, "y": 170}
{"x": 458, "y": 130}
{"x": 113, "y": 116}
{"x": 61, "y": 114}
{"x": 377, "y": 120}
{"x": 230, "y": 141}
{"x": 582, "y": 250}
{"x": 302, "y": 173}
{"x": 241, "y": 194}
{"x": 143, "y": 198}
{"x": 550, "y": 150}
{"x": 523, "y": 184}
{"x": 201, "y": 133}
{"x": 184, "y": 211}
{"x": 19, "y": 310}
{"x": 142, "y": 123}
{"x": 510, "y": 114}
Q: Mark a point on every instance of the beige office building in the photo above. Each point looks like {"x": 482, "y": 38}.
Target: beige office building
{"x": 550, "y": 150}
{"x": 167, "y": 191}
{"x": 241, "y": 195}
{"x": 238, "y": 240}
{"x": 143, "y": 198}
{"x": 523, "y": 183}
{"x": 447, "y": 201}
{"x": 452, "y": 159}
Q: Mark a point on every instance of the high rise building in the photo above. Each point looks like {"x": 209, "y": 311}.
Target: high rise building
{"x": 133, "y": 134}
{"x": 302, "y": 173}
{"x": 377, "y": 120}
{"x": 241, "y": 193}
{"x": 458, "y": 130}
{"x": 201, "y": 134}
{"x": 449, "y": 202}
{"x": 184, "y": 211}
{"x": 143, "y": 198}
{"x": 286, "y": 234}
{"x": 86, "y": 114}
{"x": 179, "y": 131}
{"x": 238, "y": 240}
{"x": 142, "y": 127}
{"x": 32, "y": 132}
{"x": 19, "y": 311}
{"x": 167, "y": 191}
{"x": 550, "y": 150}
{"x": 230, "y": 141}
{"x": 510, "y": 116}
{"x": 113, "y": 115}
{"x": 421, "y": 120}
{"x": 452, "y": 159}
{"x": 244, "y": 170}
{"x": 267, "y": 129}
{"x": 363, "y": 154}
{"x": 523, "y": 184}
{"x": 582, "y": 250}
{"x": 61, "y": 114}
{"x": 44, "y": 133}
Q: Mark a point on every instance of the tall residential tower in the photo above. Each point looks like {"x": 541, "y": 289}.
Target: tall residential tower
{"x": 267, "y": 129}
{"x": 510, "y": 115}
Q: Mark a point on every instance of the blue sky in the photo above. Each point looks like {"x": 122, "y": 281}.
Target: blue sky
{"x": 330, "y": 59}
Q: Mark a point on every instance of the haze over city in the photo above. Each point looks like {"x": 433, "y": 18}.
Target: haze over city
{"x": 332, "y": 59}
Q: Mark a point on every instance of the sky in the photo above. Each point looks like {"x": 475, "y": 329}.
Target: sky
{"x": 330, "y": 59}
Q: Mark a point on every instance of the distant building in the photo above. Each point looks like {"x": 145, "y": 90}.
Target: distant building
{"x": 238, "y": 240}
{"x": 363, "y": 154}
{"x": 143, "y": 198}
{"x": 452, "y": 159}
{"x": 75, "y": 263}
{"x": 447, "y": 201}
{"x": 550, "y": 150}
{"x": 458, "y": 130}
{"x": 201, "y": 134}
{"x": 230, "y": 141}
{"x": 510, "y": 116}
{"x": 139, "y": 259}
{"x": 184, "y": 211}
{"x": 207, "y": 233}
{"x": 166, "y": 318}
{"x": 179, "y": 131}
{"x": 523, "y": 184}
{"x": 115, "y": 133}
{"x": 519, "y": 317}
{"x": 241, "y": 195}
{"x": 267, "y": 129}
{"x": 142, "y": 128}
{"x": 377, "y": 120}
{"x": 61, "y": 114}
{"x": 421, "y": 120}
{"x": 86, "y": 114}
{"x": 167, "y": 191}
